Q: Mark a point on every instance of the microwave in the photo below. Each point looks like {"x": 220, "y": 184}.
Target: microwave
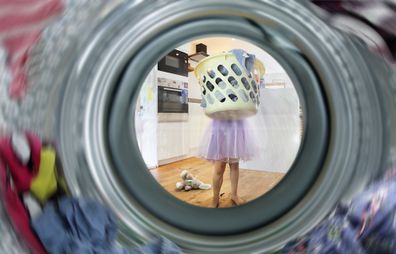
{"x": 175, "y": 62}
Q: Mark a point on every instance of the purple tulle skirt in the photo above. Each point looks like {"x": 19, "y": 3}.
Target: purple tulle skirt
{"x": 228, "y": 140}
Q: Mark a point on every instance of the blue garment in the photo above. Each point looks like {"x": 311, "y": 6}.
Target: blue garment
{"x": 374, "y": 213}
{"x": 74, "y": 226}
{"x": 245, "y": 59}
{"x": 333, "y": 236}
{"x": 367, "y": 225}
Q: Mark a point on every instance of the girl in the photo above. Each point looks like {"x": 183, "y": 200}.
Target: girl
{"x": 228, "y": 142}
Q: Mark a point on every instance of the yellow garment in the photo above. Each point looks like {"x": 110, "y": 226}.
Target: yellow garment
{"x": 44, "y": 185}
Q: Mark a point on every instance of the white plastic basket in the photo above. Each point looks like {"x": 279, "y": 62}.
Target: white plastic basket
{"x": 228, "y": 91}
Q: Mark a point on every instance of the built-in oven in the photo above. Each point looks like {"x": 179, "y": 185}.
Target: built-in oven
{"x": 175, "y": 62}
{"x": 172, "y": 100}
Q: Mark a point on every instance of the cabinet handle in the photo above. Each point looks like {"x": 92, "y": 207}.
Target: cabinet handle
{"x": 172, "y": 89}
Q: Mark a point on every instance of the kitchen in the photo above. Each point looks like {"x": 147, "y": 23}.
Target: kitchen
{"x": 170, "y": 123}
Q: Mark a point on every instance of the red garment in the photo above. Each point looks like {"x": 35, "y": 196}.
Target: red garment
{"x": 21, "y": 178}
{"x": 22, "y": 175}
{"x": 21, "y": 23}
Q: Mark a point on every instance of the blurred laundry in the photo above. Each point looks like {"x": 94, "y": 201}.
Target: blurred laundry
{"x": 30, "y": 179}
{"x": 20, "y": 109}
{"x": 22, "y": 174}
{"x": 45, "y": 183}
{"x": 244, "y": 58}
{"x": 21, "y": 25}
{"x": 15, "y": 179}
{"x": 9, "y": 241}
{"x": 365, "y": 226}
{"x": 364, "y": 16}
{"x": 77, "y": 226}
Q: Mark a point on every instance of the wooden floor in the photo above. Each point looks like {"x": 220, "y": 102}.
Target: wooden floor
{"x": 252, "y": 184}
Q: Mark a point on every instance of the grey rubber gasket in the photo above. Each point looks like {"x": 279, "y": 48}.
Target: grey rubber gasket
{"x": 91, "y": 77}
{"x": 261, "y": 211}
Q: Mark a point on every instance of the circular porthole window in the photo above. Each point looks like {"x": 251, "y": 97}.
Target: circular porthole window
{"x": 133, "y": 170}
{"x": 212, "y": 162}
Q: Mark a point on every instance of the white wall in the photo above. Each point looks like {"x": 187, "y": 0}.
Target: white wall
{"x": 146, "y": 120}
{"x": 277, "y": 129}
{"x": 277, "y": 79}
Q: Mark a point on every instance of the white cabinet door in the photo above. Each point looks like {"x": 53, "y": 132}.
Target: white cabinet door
{"x": 172, "y": 140}
{"x": 198, "y": 123}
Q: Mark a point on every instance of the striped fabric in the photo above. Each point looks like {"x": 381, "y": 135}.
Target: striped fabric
{"x": 21, "y": 23}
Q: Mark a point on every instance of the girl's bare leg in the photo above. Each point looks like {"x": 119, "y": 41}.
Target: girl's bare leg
{"x": 219, "y": 168}
{"x": 234, "y": 176}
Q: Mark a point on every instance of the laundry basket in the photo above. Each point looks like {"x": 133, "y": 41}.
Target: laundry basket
{"x": 228, "y": 91}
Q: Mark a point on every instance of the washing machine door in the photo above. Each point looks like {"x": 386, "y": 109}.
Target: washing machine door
{"x": 86, "y": 90}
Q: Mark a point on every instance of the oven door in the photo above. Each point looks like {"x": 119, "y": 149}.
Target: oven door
{"x": 172, "y": 100}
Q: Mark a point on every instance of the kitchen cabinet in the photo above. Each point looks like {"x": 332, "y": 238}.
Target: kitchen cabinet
{"x": 173, "y": 141}
{"x": 198, "y": 123}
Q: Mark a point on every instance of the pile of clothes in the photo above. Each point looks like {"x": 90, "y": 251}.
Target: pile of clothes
{"x": 373, "y": 21}
{"x": 46, "y": 218}
{"x": 366, "y": 225}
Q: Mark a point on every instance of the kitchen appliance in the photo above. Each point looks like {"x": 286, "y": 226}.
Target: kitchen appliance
{"x": 175, "y": 62}
{"x": 201, "y": 52}
{"x": 172, "y": 100}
